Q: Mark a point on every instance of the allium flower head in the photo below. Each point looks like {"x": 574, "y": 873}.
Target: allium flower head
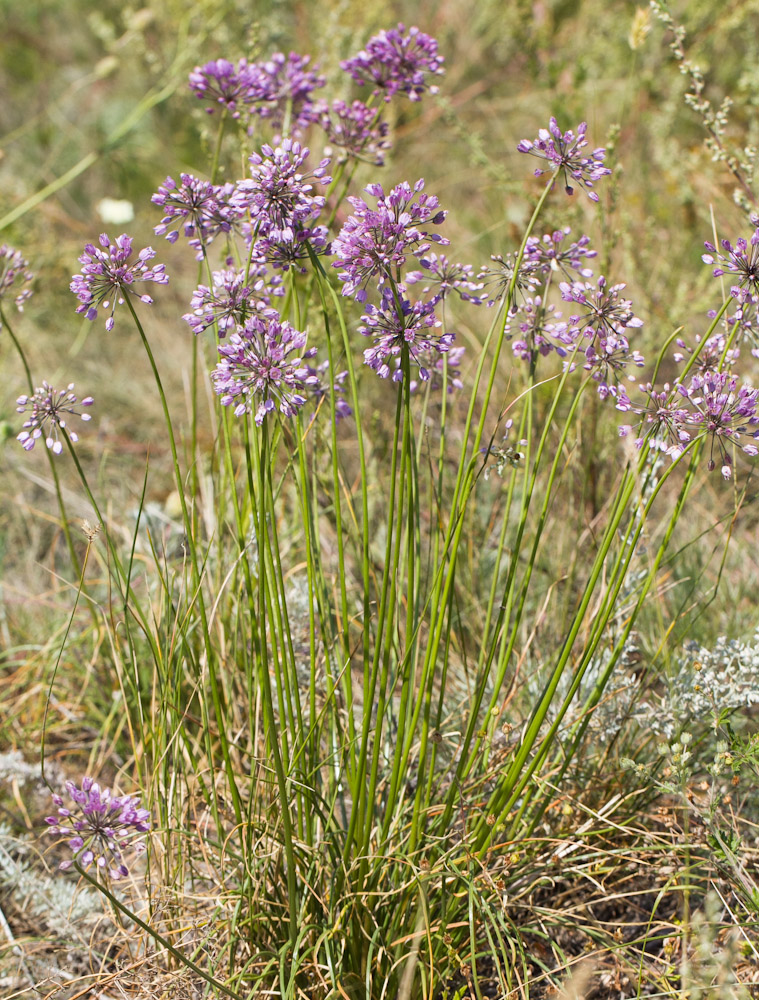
{"x": 356, "y": 129}
{"x": 711, "y": 356}
{"x": 397, "y": 325}
{"x": 223, "y": 83}
{"x": 740, "y": 262}
{"x": 445, "y": 277}
{"x": 259, "y": 363}
{"x": 604, "y": 311}
{"x": 108, "y": 274}
{"x": 231, "y": 300}
{"x": 198, "y": 208}
{"x": 500, "y": 275}
{"x": 281, "y": 87}
{"x": 548, "y": 253}
{"x": 604, "y": 320}
{"x": 14, "y": 275}
{"x": 397, "y": 61}
{"x": 279, "y": 194}
{"x": 103, "y": 826}
{"x": 49, "y": 410}
{"x": 711, "y": 406}
{"x": 563, "y": 152}
{"x": 375, "y": 242}
{"x": 723, "y": 411}
{"x": 541, "y": 330}
{"x": 665, "y": 418}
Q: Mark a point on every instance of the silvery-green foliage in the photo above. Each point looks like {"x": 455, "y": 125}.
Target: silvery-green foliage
{"x": 58, "y": 901}
{"x": 705, "y": 683}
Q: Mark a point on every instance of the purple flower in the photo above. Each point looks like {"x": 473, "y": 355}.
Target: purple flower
{"x": 357, "y": 130}
{"x": 49, "y": 409}
{"x": 563, "y": 152}
{"x": 280, "y": 89}
{"x": 445, "y": 277}
{"x": 664, "y": 418}
{"x": 283, "y": 254}
{"x": 711, "y": 356}
{"x": 712, "y": 406}
{"x": 604, "y": 310}
{"x": 604, "y": 320}
{"x": 279, "y": 193}
{"x": 548, "y": 255}
{"x": 14, "y": 272}
{"x": 258, "y": 362}
{"x": 198, "y": 208}
{"x": 740, "y": 261}
{"x": 396, "y": 325}
{"x": 103, "y": 826}
{"x": 541, "y": 329}
{"x": 375, "y": 242}
{"x": 723, "y": 414}
{"x": 108, "y": 275}
{"x": 222, "y": 83}
{"x": 397, "y": 62}
{"x": 500, "y": 276}
{"x": 230, "y": 301}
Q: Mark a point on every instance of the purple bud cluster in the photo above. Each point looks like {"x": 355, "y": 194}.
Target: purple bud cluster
{"x": 103, "y": 825}
{"x": 49, "y": 410}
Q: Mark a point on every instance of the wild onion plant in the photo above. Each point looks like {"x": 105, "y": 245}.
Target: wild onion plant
{"x": 319, "y": 680}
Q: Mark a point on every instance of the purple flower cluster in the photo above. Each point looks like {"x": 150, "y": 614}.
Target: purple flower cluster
{"x": 48, "y": 411}
{"x": 196, "y": 208}
{"x": 711, "y": 406}
{"x": 604, "y": 320}
{"x": 264, "y": 361}
{"x": 103, "y": 826}
{"x": 278, "y": 90}
{"x": 563, "y": 151}
{"x": 232, "y": 298}
{"x": 109, "y": 273}
{"x": 14, "y": 275}
{"x": 445, "y": 277}
{"x": 279, "y": 194}
{"x": 357, "y": 130}
{"x": 396, "y": 325}
{"x": 547, "y": 253}
{"x": 222, "y": 83}
{"x": 740, "y": 264}
{"x": 376, "y": 242}
{"x": 375, "y": 245}
{"x": 397, "y": 61}
{"x": 595, "y": 334}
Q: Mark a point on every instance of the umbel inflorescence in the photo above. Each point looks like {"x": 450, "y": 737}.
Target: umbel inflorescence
{"x": 101, "y": 827}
